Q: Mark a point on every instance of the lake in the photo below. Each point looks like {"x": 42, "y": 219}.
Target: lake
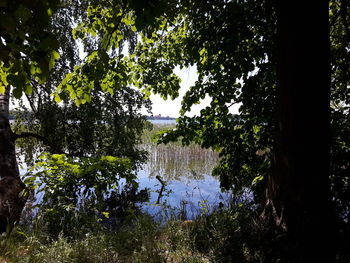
{"x": 190, "y": 189}
{"x": 187, "y": 173}
{"x": 163, "y": 122}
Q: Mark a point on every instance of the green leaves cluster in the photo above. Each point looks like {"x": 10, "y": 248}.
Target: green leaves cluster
{"x": 86, "y": 109}
{"x": 138, "y": 44}
{"x": 103, "y": 30}
{"x": 108, "y": 75}
{"x": 232, "y": 46}
{"x": 108, "y": 23}
{"x": 107, "y": 27}
{"x": 69, "y": 179}
{"x": 230, "y": 43}
{"x": 28, "y": 49}
{"x": 72, "y": 191}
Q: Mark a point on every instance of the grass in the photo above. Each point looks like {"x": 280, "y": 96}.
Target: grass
{"x": 225, "y": 235}
{"x": 149, "y": 134}
{"x": 143, "y": 241}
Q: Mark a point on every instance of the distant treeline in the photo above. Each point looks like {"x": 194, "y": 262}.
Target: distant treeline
{"x": 160, "y": 118}
{"x": 15, "y": 113}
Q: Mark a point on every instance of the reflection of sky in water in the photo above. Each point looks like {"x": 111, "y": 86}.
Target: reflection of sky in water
{"x": 187, "y": 173}
{"x": 207, "y": 188}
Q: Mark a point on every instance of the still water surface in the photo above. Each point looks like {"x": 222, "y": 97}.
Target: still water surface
{"x": 187, "y": 173}
{"x": 189, "y": 188}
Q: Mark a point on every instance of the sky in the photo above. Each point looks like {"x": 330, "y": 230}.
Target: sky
{"x": 171, "y": 108}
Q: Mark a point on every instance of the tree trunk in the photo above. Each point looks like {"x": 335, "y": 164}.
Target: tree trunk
{"x": 299, "y": 189}
{"x": 12, "y": 188}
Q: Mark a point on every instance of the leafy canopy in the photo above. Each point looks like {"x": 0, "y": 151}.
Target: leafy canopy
{"x": 233, "y": 46}
{"x": 28, "y": 47}
{"x": 92, "y": 145}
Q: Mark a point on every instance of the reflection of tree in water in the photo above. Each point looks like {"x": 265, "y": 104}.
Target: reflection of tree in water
{"x": 174, "y": 162}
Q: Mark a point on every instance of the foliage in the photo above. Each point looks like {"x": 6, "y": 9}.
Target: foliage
{"x": 94, "y": 145}
{"x": 142, "y": 241}
{"x": 28, "y": 47}
{"x": 340, "y": 168}
{"x": 226, "y": 235}
{"x": 233, "y": 46}
{"x": 107, "y": 125}
{"x": 231, "y": 70}
{"x": 71, "y": 191}
{"x": 110, "y": 124}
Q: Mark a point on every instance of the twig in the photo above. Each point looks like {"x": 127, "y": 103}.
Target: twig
{"x": 161, "y": 189}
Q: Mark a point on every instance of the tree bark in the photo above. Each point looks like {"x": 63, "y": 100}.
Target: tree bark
{"x": 299, "y": 188}
{"x": 12, "y": 198}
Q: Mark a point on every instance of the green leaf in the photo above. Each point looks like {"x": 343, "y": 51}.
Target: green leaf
{"x": 257, "y": 179}
{"x": 49, "y": 12}
{"x": 55, "y": 54}
{"x": 57, "y": 98}
{"x": 87, "y": 97}
{"x": 202, "y": 51}
{"x": 16, "y": 80}
{"x": 17, "y": 92}
{"x": 106, "y": 214}
{"x": 28, "y": 89}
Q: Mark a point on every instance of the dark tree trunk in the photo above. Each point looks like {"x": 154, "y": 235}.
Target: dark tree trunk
{"x": 298, "y": 188}
{"x": 12, "y": 188}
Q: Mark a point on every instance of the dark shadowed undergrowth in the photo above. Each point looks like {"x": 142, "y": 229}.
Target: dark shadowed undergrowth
{"x": 225, "y": 235}
{"x": 234, "y": 233}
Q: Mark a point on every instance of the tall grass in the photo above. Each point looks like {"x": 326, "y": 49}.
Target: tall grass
{"x": 143, "y": 240}
{"x": 229, "y": 234}
{"x": 148, "y": 136}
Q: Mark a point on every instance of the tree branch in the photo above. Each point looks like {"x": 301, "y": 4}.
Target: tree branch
{"x": 161, "y": 189}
